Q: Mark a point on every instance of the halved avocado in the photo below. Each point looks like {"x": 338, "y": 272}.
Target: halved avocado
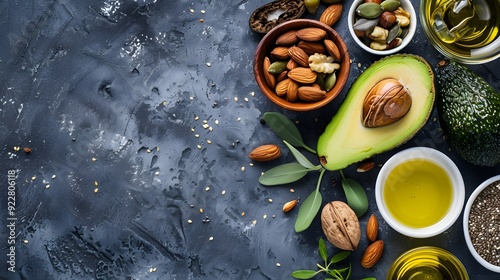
{"x": 346, "y": 140}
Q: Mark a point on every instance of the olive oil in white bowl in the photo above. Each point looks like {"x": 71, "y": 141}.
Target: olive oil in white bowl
{"x": 420, "y": 192}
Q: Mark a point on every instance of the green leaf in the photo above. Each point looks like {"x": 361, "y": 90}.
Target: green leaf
{"x": 283, "y": 174}
{"x": 304, "y": 274}
{"x": 349, "y": 272}
{"x": 322, "y": 250}
{"x": 285, "y": 129}
{"x": 300, "y": 157}
{"x": 340, "y": 256}
{"x": 356, "y": 196}
{"x": 309, "y": 208}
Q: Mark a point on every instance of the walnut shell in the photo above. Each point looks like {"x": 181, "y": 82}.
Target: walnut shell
{"x": 341, "y": 225}
{"x": 387, "y": 102}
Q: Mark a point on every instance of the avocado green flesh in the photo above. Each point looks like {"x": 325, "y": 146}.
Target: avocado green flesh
{"x": 346, "y": 140}
{"x": 469, "y": 110}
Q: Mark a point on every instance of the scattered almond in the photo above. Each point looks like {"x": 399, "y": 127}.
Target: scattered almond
{"x": 287, "y": 207}
{"x": 265, "y": 153}
{"x": 372, "y": 254}
{"x": 331, "y": 14}
{"x": 365, "y": 166}
{"x": 372, "y": 228}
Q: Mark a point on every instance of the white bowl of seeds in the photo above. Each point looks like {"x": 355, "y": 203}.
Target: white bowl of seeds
{"x": 482, "y": 224}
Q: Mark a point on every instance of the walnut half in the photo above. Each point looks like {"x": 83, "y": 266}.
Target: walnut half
{"x": 341, "y": 225}
{"x": 386, "y": 102}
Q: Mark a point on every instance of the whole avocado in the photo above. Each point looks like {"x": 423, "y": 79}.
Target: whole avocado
{"x": 469, "y": 110}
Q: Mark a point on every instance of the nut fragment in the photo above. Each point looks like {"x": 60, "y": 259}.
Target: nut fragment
{"x": 387, "y": 102}
{"x": 287, "y": 207}
{"x": 340, "y": 225}
{"x": 365, "y": 166}
{"x": 372, "y": 254}
{"x": 265, "y": 153}
{"x": 372, "y": 228}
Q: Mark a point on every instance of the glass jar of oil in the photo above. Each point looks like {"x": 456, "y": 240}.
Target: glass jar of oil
{"x": 464, "y": 30}
{"x": 427, "y": 263}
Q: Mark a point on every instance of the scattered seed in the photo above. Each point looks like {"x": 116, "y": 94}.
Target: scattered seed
{"x": 96, "y": 184}
{"x": 211, "y": 238}
{"x": 270, "y": 200}
{"x": 16, "y": 148}
{"x": 94, "y": 159}
{"x": 201, "y": 210}
{"x": 197, "y": 135}
{"x": 96, "y": 190}
{"x": 198, "y": 146}
{"x": 25, "y": 241}
{"x": 217, "y": 122}
{"x": 190, "y": 221}
{"x": 246, "y": 99}
{"x": 148, "y": 151}
{"x": 202, "y": 11}
{"x": 201, "y": 20}
{"x": 196, "y": 118}
{"x": 278, "y": 264}
{"x": 207, "y": 189}
{"x": 47, "y": 186}
{"x": 209, "y": 64}
{"x": 292, "y": 190}
{"x": 209, "y": 141}
{"x": 191, "y": 10}
{"x": 33, "y": 178}
{"x": 254, "y": 222}
{"x": 242, "y": 168}
{"x": 27, "y": 150}
{"x": 53, "y": 176}
{"x": 265, "y": 216}
{"x": 223, "y": 192}
{"x": 236, "y": 98}
{"x": 252, "y": 93}
{"x": 238, "y": 119}
{"x": 242, "y": 214}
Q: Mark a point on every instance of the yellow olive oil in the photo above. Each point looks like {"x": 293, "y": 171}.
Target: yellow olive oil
{"x": 418, "y": 193}
{"x": 464, "y": 27}
{"x": 424, "y": 263}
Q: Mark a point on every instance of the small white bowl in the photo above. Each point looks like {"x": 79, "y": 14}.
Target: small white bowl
{"x": 406, "y": 5}
{"x": 457, "y": 201}
{"x": 468, "y": 207}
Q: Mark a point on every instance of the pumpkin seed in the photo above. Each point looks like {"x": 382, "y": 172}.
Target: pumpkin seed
{"x": 277, "y": 67}
{"x": 364, "y": 25}
{"x": 390, "y": 5}
{"x": 320, "y": 81}
{"x": 330, "y": 81}
{"x": 394, "y": 32}
{"x": 370, "y": 10}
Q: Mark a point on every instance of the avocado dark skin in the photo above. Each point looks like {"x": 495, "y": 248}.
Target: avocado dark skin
{"x": 469, "y": 110}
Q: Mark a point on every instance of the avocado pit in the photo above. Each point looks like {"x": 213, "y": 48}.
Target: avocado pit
{"x": 386, "y": 102}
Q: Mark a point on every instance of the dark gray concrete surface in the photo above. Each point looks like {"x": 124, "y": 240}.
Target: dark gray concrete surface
{"x": 139, "y": 115}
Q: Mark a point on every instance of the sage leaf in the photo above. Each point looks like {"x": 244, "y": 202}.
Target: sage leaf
{"x": 356, "y": 196}
{"x": 304, "y": 274}
{"x": 283, "y": 174}
{"x": 309, "y": 208}
{"x": 300, "y": 157}
{"x": 340, "y": 256}
{"x": 322, "y": 250}
{"x": 285, "y": 129}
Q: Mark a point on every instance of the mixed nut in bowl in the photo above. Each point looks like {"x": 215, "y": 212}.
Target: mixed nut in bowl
{"x": 481, "y": 224}
{"x": 382, "y": 27}
{"x": 301, "y": 65}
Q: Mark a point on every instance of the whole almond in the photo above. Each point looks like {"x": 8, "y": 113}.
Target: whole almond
{"x": 302, "y": 75}
{"x": 299, "y": 55}
{"x": 292, "y": 92}
{"x": 332, "y": 49}
{"x": 287, "y": 38}
{"x": 311, "y": 34}
{"x": 372, "y": 228}
{"x": 287, "y": 207}
{"x": 280, "y": 52}
{"x": 311, "y": 93}
{"x": 270, "y": 79}
{"x": 331, "y": 14}
{"x": 372, "y": 254}
{"x": 311, "y": 47}
{"x": 282, "y": 87}
{"x": 265, "y": 153}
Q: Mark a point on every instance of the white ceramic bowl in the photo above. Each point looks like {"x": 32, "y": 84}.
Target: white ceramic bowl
{"x": 457, "y": 182}
{"x": 468, "y": 206}
{"x": 406, "y": 5}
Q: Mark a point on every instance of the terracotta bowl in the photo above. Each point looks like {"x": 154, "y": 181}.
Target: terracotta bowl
{"x": 268, "y": 43}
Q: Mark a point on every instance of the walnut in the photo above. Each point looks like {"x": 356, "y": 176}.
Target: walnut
{"x": 322, "y": 64}
{"x": 341, "y": 225}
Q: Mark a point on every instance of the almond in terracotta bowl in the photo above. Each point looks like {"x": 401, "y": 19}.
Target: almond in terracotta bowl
{"x": 301, "y": 65}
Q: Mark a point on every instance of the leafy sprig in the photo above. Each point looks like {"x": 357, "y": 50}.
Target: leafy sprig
{"x": 327, "y": 266}
{"x": 294, "y": 171}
